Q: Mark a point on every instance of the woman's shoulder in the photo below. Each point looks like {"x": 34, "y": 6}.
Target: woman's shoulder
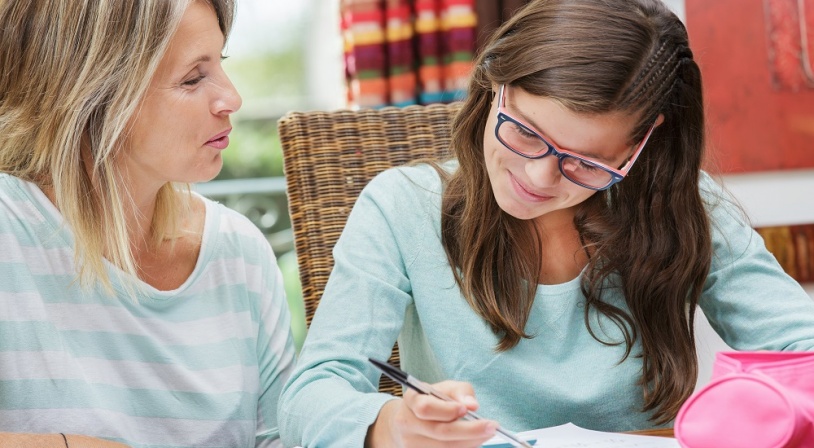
{"x": 232, "y": 228}
{"x": 12, "y": 188}
{"x": 22, "y": 203}
{"x": 15, "y": 208}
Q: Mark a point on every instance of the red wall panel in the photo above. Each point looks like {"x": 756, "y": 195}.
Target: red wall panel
{"x": 756, "y": 58}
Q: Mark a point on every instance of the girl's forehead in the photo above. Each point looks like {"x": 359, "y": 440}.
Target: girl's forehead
{"x": 595, "y": 135}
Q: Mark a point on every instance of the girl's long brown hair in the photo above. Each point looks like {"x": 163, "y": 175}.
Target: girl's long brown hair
{"x": 648, "y": 236}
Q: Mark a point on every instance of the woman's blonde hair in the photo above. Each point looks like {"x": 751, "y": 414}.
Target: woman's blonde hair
{"x": 73, "y": 73}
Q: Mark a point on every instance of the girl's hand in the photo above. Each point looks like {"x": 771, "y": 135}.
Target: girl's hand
{"x": 420, "y": 420}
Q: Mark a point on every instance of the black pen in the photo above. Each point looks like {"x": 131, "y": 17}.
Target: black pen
{"x": 421, "y": 387}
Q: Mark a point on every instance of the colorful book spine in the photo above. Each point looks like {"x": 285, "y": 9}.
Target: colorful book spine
{"x": 402, "y": 52}
{"x": 362, "y": 26}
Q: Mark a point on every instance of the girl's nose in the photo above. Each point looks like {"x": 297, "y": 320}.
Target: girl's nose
{"x": 544, "y": 172}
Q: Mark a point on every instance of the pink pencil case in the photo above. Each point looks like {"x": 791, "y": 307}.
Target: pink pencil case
{"x": 754, "y": 400}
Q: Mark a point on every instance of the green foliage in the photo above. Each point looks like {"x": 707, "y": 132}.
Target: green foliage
{"x": 268, "y": 75}
{"x": 293, "y": 292}
{"x": 254, "y": 151}
{"x": 262, "y": 79}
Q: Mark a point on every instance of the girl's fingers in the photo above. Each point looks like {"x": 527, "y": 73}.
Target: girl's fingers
{"x": 428, "y": 421}
{"x": 473, "y": 431}
{"x": 428, "y": 407}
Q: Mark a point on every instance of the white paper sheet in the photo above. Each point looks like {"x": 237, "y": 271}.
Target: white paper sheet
{"x": 572, "y": 436}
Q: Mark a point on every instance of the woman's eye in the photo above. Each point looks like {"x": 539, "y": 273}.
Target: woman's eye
{"x": 193, "y": 81}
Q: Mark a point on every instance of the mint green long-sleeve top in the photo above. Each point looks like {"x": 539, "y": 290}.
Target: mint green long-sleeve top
{"x": 392, "y": 280}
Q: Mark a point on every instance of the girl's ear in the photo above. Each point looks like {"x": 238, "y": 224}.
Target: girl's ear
{"x": 659, "y": 120}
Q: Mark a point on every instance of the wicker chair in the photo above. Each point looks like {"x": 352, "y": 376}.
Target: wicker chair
{"x": 329, "y": 157}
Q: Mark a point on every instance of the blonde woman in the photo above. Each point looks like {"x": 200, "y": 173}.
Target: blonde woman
{"x": 132, "y": 311}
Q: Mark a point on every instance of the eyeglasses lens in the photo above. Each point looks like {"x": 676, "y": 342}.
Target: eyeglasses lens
{"x": 525, "y": 142}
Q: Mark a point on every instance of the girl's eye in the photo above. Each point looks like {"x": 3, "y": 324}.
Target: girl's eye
{"x": 193, "y": 81}
{"x": 587, "y": 166}
{"x": 525, "y": 132}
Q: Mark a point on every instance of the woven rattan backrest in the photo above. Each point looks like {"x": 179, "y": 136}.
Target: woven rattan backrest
{"x": 329, "y": 157}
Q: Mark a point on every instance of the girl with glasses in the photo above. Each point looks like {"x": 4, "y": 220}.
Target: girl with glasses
{"x": 551, "y": 271}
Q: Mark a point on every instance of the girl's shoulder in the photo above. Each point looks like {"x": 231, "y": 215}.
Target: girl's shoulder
{"x": 423, "y": 182}
{"x": 722, "y": 207}
{"x": 404, "y": 203}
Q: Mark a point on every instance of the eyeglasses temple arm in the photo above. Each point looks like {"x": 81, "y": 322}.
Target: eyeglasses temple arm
{"x": 635, "y": 156}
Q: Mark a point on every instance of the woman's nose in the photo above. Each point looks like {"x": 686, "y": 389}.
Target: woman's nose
{"x": 228, "y": 100}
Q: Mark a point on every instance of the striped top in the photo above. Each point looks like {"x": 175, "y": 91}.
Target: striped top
{"x": 202, "y": 365}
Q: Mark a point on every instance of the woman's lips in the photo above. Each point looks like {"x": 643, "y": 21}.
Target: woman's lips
{"x": 220, "y": 141}
{"x": 524, "y": 193}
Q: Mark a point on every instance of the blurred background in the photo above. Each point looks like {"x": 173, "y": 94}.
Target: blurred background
{"x": 756, "y": 57}
{"x": 283, "y": 55}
